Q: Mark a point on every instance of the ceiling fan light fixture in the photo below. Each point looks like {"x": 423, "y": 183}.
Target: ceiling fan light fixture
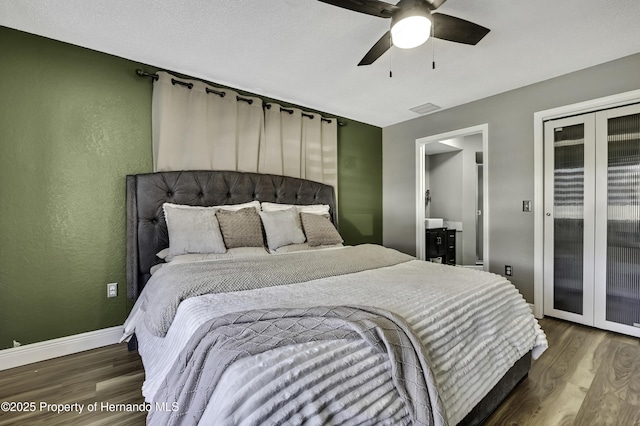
{"x": 411, "y": 28}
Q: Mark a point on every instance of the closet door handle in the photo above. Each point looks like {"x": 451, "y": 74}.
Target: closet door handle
{"x": 548, "y": 214}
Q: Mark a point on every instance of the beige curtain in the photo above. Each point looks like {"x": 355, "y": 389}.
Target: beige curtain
{"x": 329, "y": 136}
{"x": 300, "y": 144}
{"x": 195, "y": 128}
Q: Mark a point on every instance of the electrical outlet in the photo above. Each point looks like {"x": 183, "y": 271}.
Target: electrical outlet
{"x": 112, "y": 289}
{"x": 508, "y": 271}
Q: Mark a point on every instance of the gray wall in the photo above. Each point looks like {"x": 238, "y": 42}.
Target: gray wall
{"x": 445, "y": 175}
{"x": 509, "y": 160}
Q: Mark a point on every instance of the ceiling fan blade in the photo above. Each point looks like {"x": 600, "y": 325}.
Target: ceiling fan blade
{"x": 458, "y": 30}
{"x": 434, "y": 4}
{"x": 377, "y": 50}
{"x": 369, "y": 7}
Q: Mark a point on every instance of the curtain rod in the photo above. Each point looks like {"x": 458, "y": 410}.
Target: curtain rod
{"x": 154, "y": 77}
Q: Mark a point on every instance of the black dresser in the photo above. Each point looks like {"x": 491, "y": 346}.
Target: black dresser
{"x": 441, "y": 243}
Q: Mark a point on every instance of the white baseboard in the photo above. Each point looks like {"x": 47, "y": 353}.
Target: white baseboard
{"x": 35, "y": 352}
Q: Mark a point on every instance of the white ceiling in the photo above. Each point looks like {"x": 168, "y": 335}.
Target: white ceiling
{"x": 305, "y": 52}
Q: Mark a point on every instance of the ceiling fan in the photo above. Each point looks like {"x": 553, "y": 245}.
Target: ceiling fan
{"x": 412, "y": 22}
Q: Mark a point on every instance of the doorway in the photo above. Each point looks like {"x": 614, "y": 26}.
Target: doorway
{"x": 472, "y": 221}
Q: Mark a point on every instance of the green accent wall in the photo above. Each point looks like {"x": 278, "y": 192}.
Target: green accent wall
{"x": 360, "y": 183}
{"x": 73, "y": 123}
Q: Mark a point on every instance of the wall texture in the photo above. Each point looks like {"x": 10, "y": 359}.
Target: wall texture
{"x": 510, "y": 159}
{"x": 73, "y": 124}
{"x": 360, "y": 183}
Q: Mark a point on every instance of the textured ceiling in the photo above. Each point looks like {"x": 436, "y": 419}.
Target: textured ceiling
{"x": 305, "y": 52}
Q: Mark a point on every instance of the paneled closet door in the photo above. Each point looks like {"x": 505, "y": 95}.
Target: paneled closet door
{"x": 617, "y": 238}
{"x": 569, "y": 218}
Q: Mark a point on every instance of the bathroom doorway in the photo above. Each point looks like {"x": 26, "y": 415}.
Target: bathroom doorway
{"x": 451, "y": 184}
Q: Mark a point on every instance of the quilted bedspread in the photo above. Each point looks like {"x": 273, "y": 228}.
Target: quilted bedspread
{"x": 224, "y": 340}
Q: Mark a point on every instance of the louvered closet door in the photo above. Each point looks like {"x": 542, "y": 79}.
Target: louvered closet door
{"x": 569, "y": 218}
{"x": 617, "y": 238}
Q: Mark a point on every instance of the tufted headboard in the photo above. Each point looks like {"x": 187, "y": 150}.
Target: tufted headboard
{"x": 147, "y": 230}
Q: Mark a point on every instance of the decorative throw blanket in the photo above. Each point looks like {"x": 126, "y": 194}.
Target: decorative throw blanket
{"x": 175, "y": 283}
{"x": 220, "y": 342}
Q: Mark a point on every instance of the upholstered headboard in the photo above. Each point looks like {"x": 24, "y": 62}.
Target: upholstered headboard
{"x": 147, "y": 230}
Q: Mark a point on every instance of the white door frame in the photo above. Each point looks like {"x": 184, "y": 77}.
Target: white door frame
{"x": 538, "y": 198}
{"x": 420, "y": 185}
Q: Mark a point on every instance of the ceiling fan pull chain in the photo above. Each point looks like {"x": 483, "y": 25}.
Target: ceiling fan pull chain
{"x": 433, "y": 49}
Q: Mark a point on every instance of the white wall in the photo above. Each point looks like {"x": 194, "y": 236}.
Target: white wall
{"x": 510, "y": 159}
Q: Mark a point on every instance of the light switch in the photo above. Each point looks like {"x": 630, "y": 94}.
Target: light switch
{"x": 526, "y": 206}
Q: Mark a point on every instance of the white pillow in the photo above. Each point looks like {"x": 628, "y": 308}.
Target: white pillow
{"x": 275, "y": 207}
{"x": 162, "y": 254}
{"x": 321, "y": 209}
{"x": 192, "y": 229}
{"x": 311, "y": 208}
{"x": 282, "y": 228}
{"x": 232, "y": 253}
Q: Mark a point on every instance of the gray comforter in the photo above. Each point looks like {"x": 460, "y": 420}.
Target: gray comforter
{"x": 175, "y": 283}
{"x": 474, "y": 326}
{"x": 222, "y": 341}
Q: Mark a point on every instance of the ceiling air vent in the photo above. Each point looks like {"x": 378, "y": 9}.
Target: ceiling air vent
{"x": 425, "y": 108}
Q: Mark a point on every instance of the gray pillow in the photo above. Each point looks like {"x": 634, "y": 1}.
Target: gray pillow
{"x": 192, "y": 230}
{"x": 282, "y": 228}
{"x": 319, "y": 230}
{"x": 240, "y": 228}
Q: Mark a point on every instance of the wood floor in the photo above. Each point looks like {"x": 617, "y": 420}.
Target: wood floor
{"x": 110, "y": 374}
{"x": 586, "y": 377}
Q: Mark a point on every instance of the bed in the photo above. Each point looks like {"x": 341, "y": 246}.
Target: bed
{"x": 329, "y": 335}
